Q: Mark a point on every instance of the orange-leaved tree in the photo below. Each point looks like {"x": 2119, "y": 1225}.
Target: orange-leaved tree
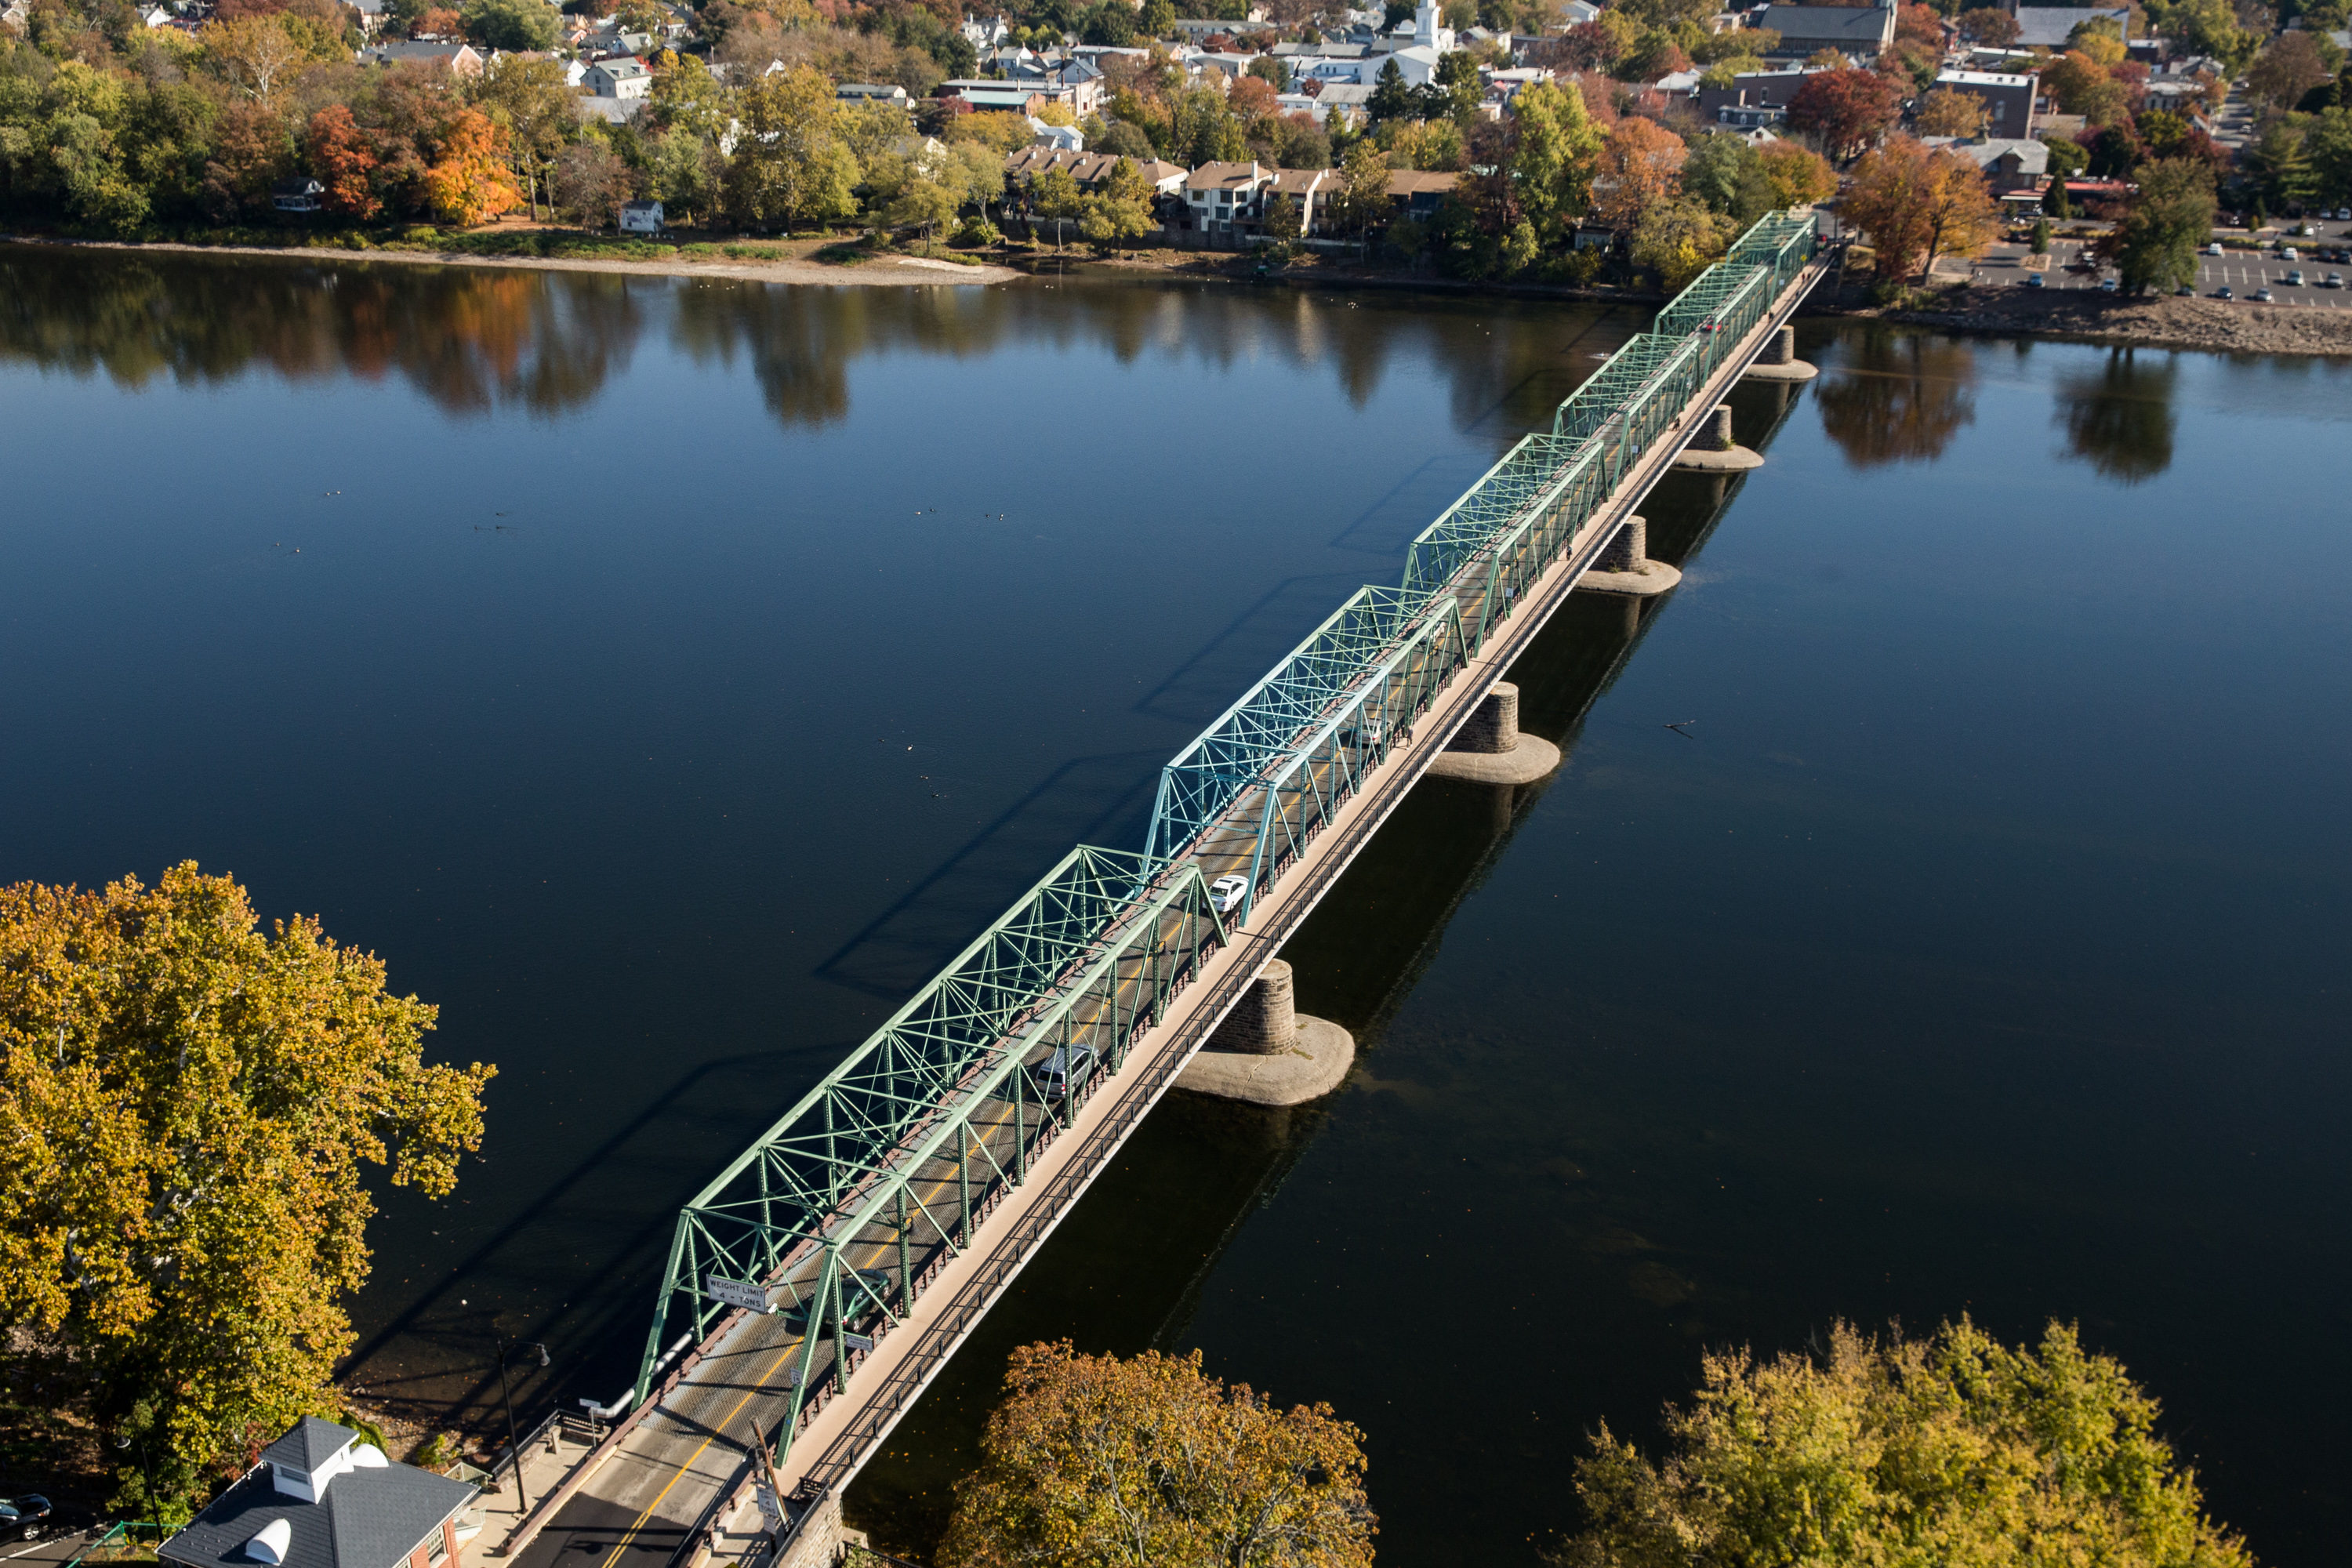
{"x": 472, "y": 182}
{"x": 1640, "y": 166}
{"x": 1915, "y": 204}
{"x": 186, "y": 1109}
{"x": 343, "y": 158}
{"x": 1096, "y": 1459}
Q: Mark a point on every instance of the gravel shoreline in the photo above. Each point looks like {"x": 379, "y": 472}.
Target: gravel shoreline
{"x": 2085, "y": 316}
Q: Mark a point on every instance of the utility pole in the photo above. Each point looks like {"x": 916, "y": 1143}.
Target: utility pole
{"x": 514, "y": 1443}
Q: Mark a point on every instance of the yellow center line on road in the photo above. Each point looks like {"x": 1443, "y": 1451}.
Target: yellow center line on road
{"x": 634, "y": 1525}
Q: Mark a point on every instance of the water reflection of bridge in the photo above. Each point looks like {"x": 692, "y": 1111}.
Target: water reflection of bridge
{"x": 882, "y": 1216}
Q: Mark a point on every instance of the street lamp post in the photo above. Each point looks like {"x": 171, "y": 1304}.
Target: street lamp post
{"x": 514, "y": 1442}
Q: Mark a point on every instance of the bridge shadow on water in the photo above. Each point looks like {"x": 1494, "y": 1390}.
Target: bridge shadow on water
{"x": 1129, "y": 1267}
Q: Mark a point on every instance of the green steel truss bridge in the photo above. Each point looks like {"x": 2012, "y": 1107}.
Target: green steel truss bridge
{"x": 825, "y": 1273}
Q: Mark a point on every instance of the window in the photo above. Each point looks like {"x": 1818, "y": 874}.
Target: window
{"x": 438, "y": 1549}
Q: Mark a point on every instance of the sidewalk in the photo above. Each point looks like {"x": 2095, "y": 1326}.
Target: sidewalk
{"x": 547, "y": 1464}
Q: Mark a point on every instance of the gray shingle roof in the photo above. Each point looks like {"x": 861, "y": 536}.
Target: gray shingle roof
{"x": 371, "y": 1518}
{"x": 1866, "y": 26}
{"x": 311, "y": 1443}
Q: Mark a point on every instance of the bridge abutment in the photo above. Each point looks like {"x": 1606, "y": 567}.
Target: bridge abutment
{"x": 1624, "y": 565}
{"x": 1268, "y": 1053}
{"x": 1713, "y": 451}
{"x": 1779, "y": 361}
{"x": 1489, "y": 747}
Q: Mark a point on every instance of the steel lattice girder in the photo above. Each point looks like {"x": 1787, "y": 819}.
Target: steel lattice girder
{"x": 1088, "y": 955}
{"x": 1341, "y": 668}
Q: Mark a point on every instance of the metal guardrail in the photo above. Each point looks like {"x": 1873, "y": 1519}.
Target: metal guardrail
{"x": 126, "y": 1538}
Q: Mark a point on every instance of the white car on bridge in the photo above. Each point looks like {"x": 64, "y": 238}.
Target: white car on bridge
{"x": 1225, "y": 893}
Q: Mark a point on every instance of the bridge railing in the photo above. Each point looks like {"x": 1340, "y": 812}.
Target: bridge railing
{"x": 883, "y": 1165}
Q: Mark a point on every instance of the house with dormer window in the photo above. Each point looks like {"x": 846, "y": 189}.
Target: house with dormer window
{"x": 322, "y": 1498}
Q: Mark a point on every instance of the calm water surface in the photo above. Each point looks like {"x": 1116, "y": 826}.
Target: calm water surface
{"x": 673, "y": 673}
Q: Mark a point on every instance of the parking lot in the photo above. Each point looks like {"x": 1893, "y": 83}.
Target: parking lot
{"x": 2243, "y": 272}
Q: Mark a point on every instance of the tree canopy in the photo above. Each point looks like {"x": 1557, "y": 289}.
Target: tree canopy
{"x": 1950, "y": 1449}
{"x": 1095, "y": 1461}
{"x": 185, "y": 1114}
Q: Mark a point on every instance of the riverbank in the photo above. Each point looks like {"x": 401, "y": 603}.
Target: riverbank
{"x": 874, "y": 271}
{"x": 2086, "y": 316}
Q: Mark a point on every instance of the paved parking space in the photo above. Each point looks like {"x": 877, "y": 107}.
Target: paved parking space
{"x": 2241, "y": 270}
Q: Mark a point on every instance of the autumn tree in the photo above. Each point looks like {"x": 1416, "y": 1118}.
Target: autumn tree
{"x": 591, "y": 182}
{"x": 791, "y": 165}
{"x": 1915, "y": 204}
{"x": 1679, "y": 239}
{"x": 1094, "y": 1460}
{"x": 186, "y": 1110}
{"x": 1847, "y": 108}
{"x": 1953, "y": 1448}
{"x": 256, "y": 55}
{"x": 1989, "y": 26}
{"x": 1555, "y": 149}
{"x": 535, "y": 111}
{"x": 343, "y": 159}
{"x": 1948, "y": 111}
{"x": 469, "y": 183}
{"x": 1639, "y": 165}
{"x": 2171, "y": 216}
{"x": 2289, "y": 66}
{"x": 1793, "y": 176}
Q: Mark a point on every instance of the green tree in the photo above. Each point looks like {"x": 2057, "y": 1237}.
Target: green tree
{"x": 1092, "y": 1461}
{"x": 185, "y": 1114}
{"x": 1951, "y": 1449}
{"x": 687, "y": 95}
{"x": 1120, "y": 211}
{"x": 684, "y": 172}
{"x": 2329, "y": 145}
{"x": 528, "y": 99}
{"x": 2171, "y": 218}
{"x": 1203, "y": 129}
{"x": 1552, "y": 160}
{"x": 512, "y": 24}
{"x": 1712, "y": 171}
{"x": 2281, "y": 165}
{"x": 1054, "y": 195}
{"x": 1391, "y": 98}
{"x": 791, "y": 165}
{"x": 1458, "y": 81}
{"x": 1678, "y": 240}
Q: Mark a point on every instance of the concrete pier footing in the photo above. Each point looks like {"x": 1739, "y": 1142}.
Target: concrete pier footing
{"x": 1712, "y": 450}
{"x": 1268, "y": 1053}
{"x": 1779, "y": 361}
{"x": 1489, "y": 748}
{"x": 1624, "y": 565}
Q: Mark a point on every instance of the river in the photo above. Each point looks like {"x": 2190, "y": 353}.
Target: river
{"x": 673, "y": 672}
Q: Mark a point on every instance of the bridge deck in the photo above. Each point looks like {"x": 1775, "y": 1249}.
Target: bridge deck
{"x": 689, "y": 1456}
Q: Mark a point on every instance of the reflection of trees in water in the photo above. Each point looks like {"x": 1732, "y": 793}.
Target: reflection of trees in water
{"x": 472, "y": 339}
{"x": 469, "y": 339}
{"x": 2119, "y": 418}
{"x": 1899, "y": 397}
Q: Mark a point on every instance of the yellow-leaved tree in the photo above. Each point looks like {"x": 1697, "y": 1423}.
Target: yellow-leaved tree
{"x": 1951, "y": 1449}
{"x": 186, "y": 1108}
{"x": 1096, "y": 1460}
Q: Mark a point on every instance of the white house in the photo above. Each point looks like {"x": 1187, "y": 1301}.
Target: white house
{"x": 623, "y": 77}
{"x": 1417, "y": 64}
{"x": 1062, "y": 137}
{"x": 320, "y": 1498}
{"x": 641, "y": 218}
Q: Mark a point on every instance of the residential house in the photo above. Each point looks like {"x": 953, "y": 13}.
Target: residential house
{"x": 297, "y": 195}
{"x": 1350, "y": 103}
{"x": 868, "y": 92}
{"x": 1077, "y": 83}
{"x": 458, "y": 59}
{"x": 1859, "y": 32}
{"x": 984, "y": 36}
{"x": 2014, "y": 166}
{"x": 1090, "y": 170}
{"x": 1576, "y": 13}
{"x": 1067, "y": 138}
{"x": 1418, "y": 194}
{"x": 641, "y": 218}
{"x": 1223, "y": 203}
{"x": 1754, "y": 99}
{"x": 993, "y": 97}
{"x": 1310, "y": 190}
{"x": 2007, "y": 100}
{"x": 625, "y": 79}
{"x": 321, "y": 1498}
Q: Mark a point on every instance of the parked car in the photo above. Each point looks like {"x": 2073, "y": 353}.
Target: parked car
{"x": 2263, "y": 295}
{"x": 2344, "y": 214}
{"x": 2225, "y": 292}
{"x": 2033, "y": 280}
{"x": 2333, "y": 280}
{"x": 1065, "y": 1070}
{"x": 2294, "y": 279}
{"x": 24, "y": 1517}
{"x": 2184, "y": 292}
{"x": 2214, "y": 249}
{"x": 2287, "y": 253}
{"x": 2106, "y": 285}
{"x": 1225, "y": 893}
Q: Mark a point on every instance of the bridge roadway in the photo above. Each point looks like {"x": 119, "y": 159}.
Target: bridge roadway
{"x": 680, "y": 1466}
